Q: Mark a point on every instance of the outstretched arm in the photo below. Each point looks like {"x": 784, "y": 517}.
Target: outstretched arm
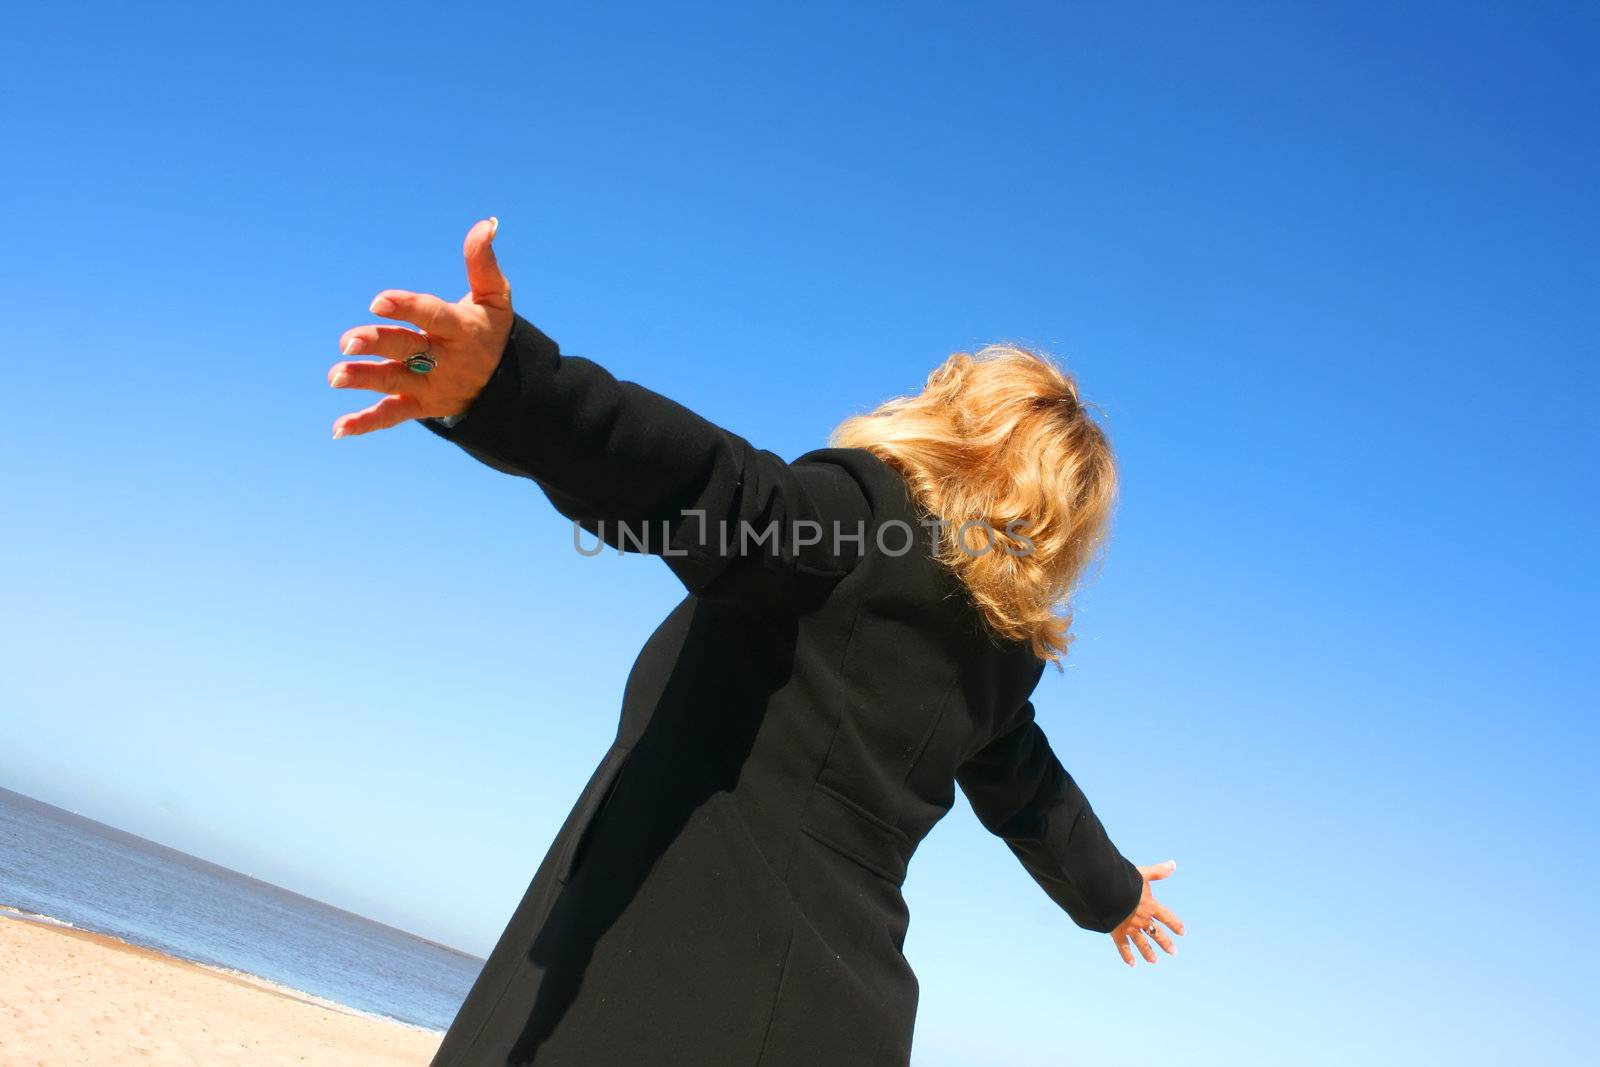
{"x": 1022, "y": 794}
{"x": 628, "y": 464}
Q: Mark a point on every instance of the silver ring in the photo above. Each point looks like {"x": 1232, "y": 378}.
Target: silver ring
{"x": 421, "y": 362}
{"x": 1151, "y": 929}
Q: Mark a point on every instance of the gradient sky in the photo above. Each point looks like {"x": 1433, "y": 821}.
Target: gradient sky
{"x": 1330, "y": 270}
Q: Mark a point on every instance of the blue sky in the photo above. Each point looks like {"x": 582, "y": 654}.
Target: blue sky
{"x": 1328, "y": 268}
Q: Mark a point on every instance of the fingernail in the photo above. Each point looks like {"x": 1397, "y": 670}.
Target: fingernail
{"x": 494, "y": 227}
{"x": 351, "y": 345}
{"x": 382, "y": 306}
{"x": 340, "y": 380}
{"x": 338, "y": 432}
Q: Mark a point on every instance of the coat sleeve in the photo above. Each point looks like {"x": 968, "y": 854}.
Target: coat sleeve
{"x": 645, "y": 474}
{"x": 1022, "y": 794}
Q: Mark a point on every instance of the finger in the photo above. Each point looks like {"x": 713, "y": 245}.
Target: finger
{"x": 424, "y": 310}
{"x": 1138, "y": 939}
{"x": 387, "y": 376}
{"x": 1123, "y": 949}
{"x": 1161, "y": 937}
{"x": 390, "y": 411}
{"x": 1159, "y": 871}
{"x": 484, "y": 278}
{"x": 1165, "y": 915}
{"x": 391, "y": 342}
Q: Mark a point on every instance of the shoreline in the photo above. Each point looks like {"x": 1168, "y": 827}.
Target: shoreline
{"x": 71, "y": 995}
{"x": 145, "y": 844}
{"x": 232, "y": 974}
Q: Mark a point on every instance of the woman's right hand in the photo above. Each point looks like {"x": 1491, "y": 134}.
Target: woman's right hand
{"x": 1145, "y": 923}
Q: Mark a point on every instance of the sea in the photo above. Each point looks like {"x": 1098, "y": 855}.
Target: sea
{"x": 62, "y": 868}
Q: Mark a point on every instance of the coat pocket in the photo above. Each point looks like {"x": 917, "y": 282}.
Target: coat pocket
{"x": 851, "y": 830}
{"x": 590, "y": 804}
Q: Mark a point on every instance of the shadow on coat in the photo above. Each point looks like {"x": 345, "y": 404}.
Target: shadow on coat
{"x": 690, "y": 741}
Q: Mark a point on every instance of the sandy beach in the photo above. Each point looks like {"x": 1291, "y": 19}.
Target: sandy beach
{"x": 68, "y": 996}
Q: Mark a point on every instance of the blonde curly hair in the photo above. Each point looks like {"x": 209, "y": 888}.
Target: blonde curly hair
{"x": 999, "y": 447}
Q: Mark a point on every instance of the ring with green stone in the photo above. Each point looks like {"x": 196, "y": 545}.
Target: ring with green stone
{"x": 421, "y": 363}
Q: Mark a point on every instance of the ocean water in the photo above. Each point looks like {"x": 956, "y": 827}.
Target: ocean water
{"x": 75, "y": 870}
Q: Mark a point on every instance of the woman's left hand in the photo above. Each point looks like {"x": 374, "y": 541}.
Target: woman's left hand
{"x": 464, "y": 341}
{"x": 1144, "y": 925}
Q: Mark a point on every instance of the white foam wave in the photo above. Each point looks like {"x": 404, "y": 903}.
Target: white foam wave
{"x": 34, "y": 916}
{"x": 312, "y": 998}
{"x": 243, "y": 976}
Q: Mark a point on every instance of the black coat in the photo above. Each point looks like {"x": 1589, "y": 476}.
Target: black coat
{"x": 727, "y": 889}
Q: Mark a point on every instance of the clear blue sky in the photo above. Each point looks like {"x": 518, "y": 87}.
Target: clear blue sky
{"x": 1329, "y": 268}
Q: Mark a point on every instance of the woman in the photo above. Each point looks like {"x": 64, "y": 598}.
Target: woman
{"x": 863, "y": 629}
